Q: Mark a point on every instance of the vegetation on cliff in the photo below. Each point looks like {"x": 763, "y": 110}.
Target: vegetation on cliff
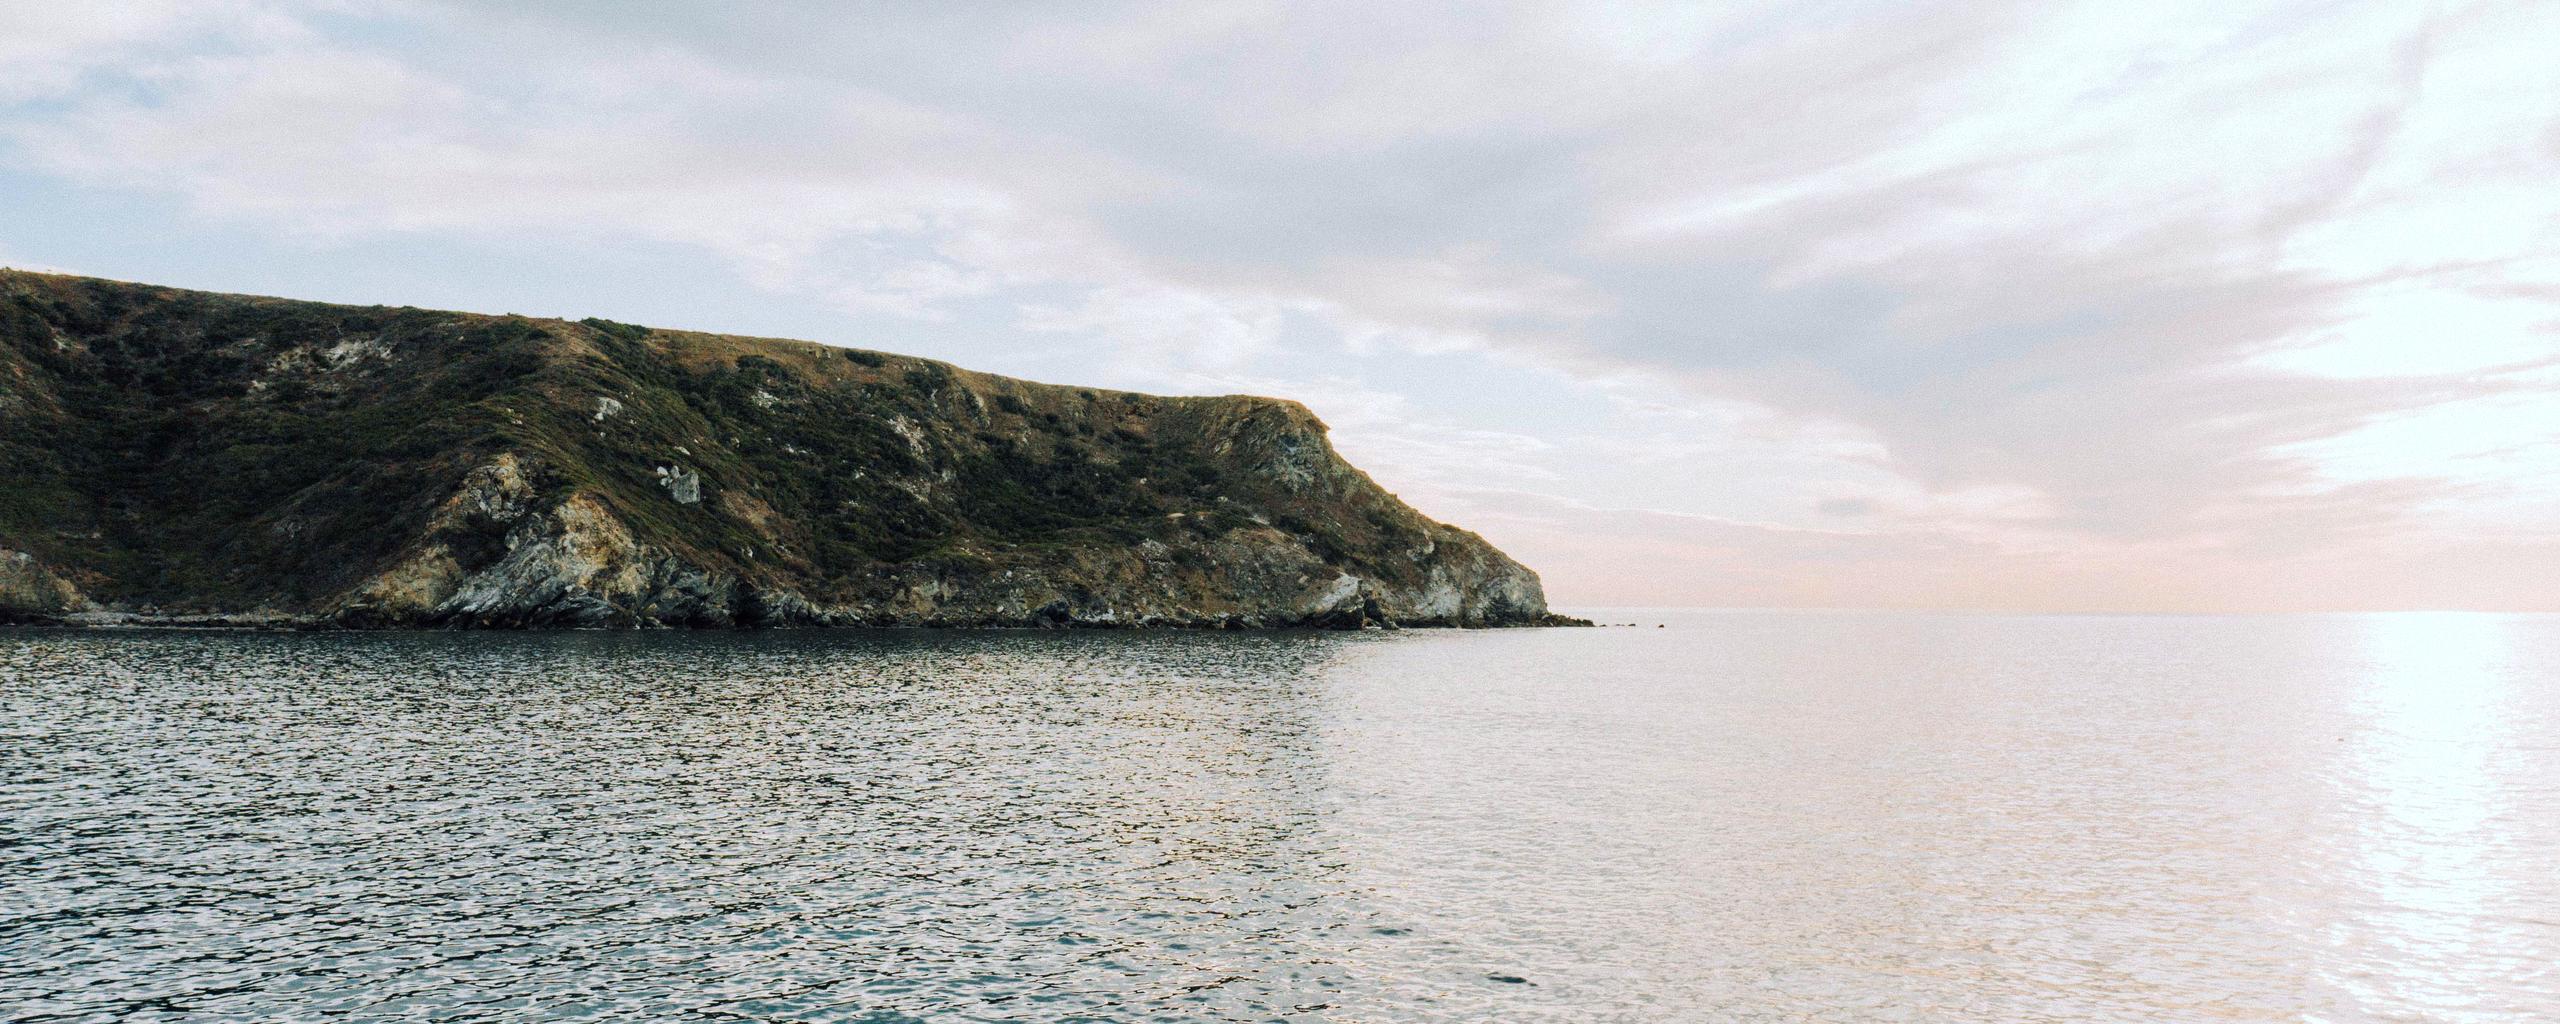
{"x": 170, "y": 452}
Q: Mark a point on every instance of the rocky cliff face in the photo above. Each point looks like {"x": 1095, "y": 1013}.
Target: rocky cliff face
{"x": 181, "y": 456}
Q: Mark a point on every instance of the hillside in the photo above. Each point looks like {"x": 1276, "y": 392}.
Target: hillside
{"x": 172, "y": 455}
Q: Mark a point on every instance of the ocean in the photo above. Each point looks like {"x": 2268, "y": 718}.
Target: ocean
{"x": 1710, "y": 816}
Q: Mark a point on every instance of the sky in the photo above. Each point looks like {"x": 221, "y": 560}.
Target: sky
{"x": 2166, "y": 307}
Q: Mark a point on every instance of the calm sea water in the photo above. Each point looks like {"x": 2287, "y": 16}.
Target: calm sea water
{"x": 1746, "y": 817}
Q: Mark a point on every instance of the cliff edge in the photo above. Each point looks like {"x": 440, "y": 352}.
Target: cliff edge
{"x": 179, "y": 456}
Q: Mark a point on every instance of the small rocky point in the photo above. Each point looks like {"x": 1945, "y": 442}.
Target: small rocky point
{"x": 186, "y": 458}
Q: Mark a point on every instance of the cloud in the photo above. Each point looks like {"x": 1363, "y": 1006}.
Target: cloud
{"x": 46, "y": 49}
{"x": 2041, "y": 286}
{"x": 1160, "y": 324}
{"x": 1659, "y": 557}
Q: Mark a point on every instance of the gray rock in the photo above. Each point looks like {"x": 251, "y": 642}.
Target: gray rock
{"x": 684, "y": 485}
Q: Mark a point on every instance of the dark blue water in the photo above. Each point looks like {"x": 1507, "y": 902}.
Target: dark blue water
{"x": 1741, "y": 817}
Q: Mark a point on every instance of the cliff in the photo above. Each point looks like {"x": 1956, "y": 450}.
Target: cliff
{"x": 169, "y": 455}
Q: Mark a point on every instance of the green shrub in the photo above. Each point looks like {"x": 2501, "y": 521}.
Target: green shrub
{"x": 626, "y": 332}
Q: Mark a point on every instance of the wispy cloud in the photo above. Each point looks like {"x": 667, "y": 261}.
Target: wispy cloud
{"x": 2193, "y": 305}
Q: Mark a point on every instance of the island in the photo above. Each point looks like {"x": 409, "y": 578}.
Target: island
{"x": 184, "y": 457}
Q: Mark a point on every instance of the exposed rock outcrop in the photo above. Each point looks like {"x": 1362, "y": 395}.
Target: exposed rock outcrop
{"x": 30, "y": 592}
{"x": 190, "y": 457}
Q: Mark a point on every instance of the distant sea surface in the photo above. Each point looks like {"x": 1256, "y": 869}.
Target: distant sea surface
{"x": 1734, "y": 817}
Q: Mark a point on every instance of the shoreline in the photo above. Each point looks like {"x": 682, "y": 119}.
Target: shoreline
{"x": 279, "y": 622}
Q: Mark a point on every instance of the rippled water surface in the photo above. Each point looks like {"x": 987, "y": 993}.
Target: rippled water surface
{"x": 1738, "y": 817}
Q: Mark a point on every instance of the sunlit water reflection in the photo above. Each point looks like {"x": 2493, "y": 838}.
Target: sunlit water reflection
{"x": 1741, "y": 817}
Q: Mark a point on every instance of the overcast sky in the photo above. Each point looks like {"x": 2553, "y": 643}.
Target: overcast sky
{"x": 2099, "y": 306}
